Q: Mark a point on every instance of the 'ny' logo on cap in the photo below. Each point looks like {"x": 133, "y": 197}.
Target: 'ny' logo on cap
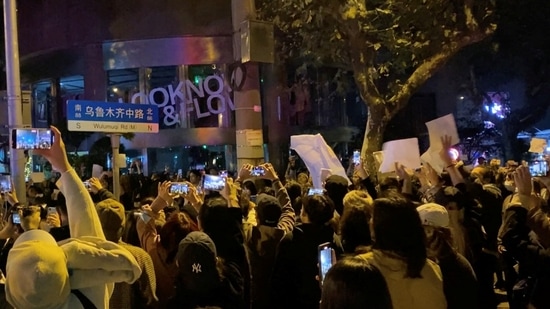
{"x": 196, "y": 268}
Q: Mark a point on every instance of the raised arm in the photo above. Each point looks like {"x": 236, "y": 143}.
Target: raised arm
{"x": 286, "y": 221}
{"x": 97, "y": 188}
{"x": 83, "y": 218}
{"x": 450, "y": 165}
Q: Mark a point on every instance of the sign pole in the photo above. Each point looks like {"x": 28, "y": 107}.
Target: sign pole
{"x": 115, "y": 145}
{"x": 13, "y": 81}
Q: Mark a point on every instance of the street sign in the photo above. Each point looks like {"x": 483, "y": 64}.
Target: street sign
{"x": 93, "y": 116}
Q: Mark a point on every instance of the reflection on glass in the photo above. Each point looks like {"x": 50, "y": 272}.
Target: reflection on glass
{"x": 122, "y": 85}
{"x": 72, "y": 88}
{"x": 186, "y": 158}
{"x": 187, "y": 96}
{"x": 42, "y": 99}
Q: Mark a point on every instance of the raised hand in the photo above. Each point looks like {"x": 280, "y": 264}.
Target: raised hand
{"x": 53, "y": 220}
{"x": 522, "y": 179}
{"x": 245, "y": 172}
{"x": 431, "y": 175}
{"x": 56, "y": 155}
{"x": 401, "y": 172}
{"x": 192, "y": 195}
{"x": 422, "y": 178}
{"x": 164, "y": 192}
{"x": 444, "y": 152}
{"x": 229, "y": 192}
{"x": 269, "y": 171}
{"x": 95, "y": 185}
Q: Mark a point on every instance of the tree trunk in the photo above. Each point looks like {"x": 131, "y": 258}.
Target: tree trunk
{"x": 374, "y": 134}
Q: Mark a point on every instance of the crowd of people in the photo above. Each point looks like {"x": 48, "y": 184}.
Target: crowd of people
{"x": 422, "y": 239}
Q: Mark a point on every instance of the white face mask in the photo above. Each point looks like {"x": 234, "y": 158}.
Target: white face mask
{"x": 510, "y": 185}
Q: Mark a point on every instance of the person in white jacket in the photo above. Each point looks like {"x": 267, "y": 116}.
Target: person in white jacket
{"x": 77, "y": 273}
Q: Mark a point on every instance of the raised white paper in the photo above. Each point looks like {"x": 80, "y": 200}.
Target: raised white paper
{"x": 97, "y": 170}
{"x": 440, "y": 127}
{"x": 404, "y": 151}
{"x": 432, "y": 157}
{"x": 317, "y": 155}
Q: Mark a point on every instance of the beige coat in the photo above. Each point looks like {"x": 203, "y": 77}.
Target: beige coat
{"x": 408, "y": 293}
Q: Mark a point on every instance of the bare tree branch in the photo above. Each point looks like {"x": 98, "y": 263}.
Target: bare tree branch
{"x": 432, "y": 64}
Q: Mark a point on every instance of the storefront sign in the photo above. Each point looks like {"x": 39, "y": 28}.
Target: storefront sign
{"x": 185, "y": 95}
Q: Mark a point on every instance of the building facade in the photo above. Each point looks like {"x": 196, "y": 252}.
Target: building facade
{"x": 175, "y": 54}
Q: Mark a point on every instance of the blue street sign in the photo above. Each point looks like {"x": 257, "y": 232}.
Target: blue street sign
{"x": 93, "y": 116}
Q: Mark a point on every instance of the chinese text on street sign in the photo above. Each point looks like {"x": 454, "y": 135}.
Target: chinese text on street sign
{"x": 92, "y": 116}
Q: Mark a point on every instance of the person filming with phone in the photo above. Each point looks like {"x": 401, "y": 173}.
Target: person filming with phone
{"x": 78, "y": 273}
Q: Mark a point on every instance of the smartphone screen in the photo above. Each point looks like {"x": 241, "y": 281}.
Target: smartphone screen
{"x": 32, "y": 138}
{"x": 325, "y": 260}
{"x": 52, "y": 211}
{"x": 257, "y": 171}
{"x": 5, "y": 183}
{"x": 15, "y": 218}
{"x": 356, "y": 157}
{"x": 213, "y": 183}
{"x": 538, "y": 168}
{"x": 179, "y": 188}
{"x": 313, "y": 191}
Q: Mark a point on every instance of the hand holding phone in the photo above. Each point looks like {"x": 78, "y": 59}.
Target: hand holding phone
{"x": 32, "y": 138}
{"x": 356, "y": 157}
{"x": 52, "y": 211}
{"x": 213, "y": 183}
{"x": 15, "y": 218}
{"x": 313, "y": 191}
{"x": 5, "y": 183}
{"x": 326, "y": 258}
{"x": 179, "y": 188}
{"x": 257, "y": 171}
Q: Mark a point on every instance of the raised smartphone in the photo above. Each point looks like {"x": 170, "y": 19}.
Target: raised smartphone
{"x": 32, "y": 138}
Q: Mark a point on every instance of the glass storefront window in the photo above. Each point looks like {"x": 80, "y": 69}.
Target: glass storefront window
{"x": 72, "y": 88}
{"x": 214, "y": 106}
{"x": 194, "y": 96}
{"x": 186, "y": 158}
{"x": 42, "y": 101}
{"x": 122, "y": 84}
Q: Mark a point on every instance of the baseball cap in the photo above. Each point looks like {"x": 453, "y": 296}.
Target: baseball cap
{"x": 268, "y": 209}
{"x": 433, "y": 215}
{"x": 197, "y": 259}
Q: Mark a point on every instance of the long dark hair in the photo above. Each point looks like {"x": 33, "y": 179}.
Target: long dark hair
{"x": 173, "y": 231}
{"x": 398, "y": 229}
{"x": 354, "y": 227}
{"x": 353, "y": 283}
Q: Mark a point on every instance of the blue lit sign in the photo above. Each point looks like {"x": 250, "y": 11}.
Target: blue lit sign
{"x": 93, "y": 116}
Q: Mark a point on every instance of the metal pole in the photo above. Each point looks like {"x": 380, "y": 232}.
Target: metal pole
{"x": 247, "y": 117}
{"x": 15, "y": 113}
{"x": 115, "y": 144}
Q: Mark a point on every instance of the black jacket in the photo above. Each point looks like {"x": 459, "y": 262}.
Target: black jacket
{"x": 459, "y": 282}
{"x": 533, "y": 259}
{"x": 228, "y": 294}
{"x": 294, "y": 283}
